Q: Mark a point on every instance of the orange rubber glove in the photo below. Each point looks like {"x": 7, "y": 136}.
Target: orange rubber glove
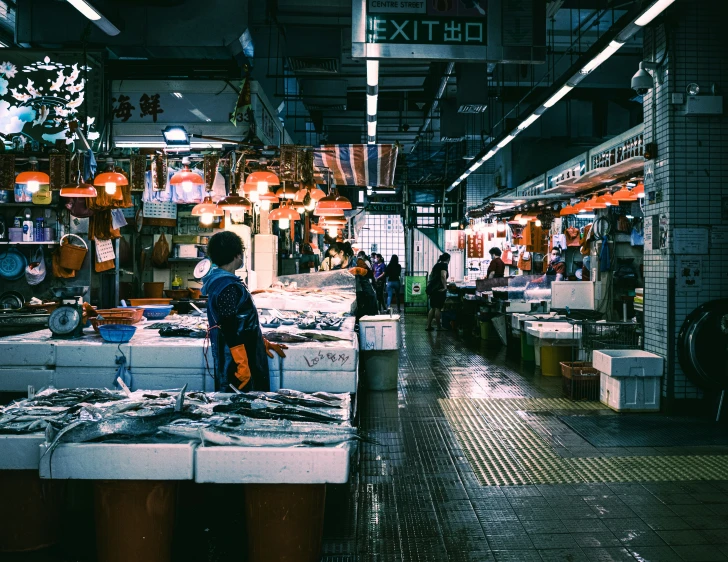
{"x": 361, "y": 271}
{"x": 242, "y": 373}
{"x": 278, "y": 348}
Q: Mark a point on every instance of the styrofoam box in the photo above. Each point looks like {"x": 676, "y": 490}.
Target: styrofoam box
{"x": 634, "y": 394}
{"x": 315, "y": 381}
{"x": 17, "y": 379}
{"x": 379, "y": 333}
{"x": 273, "y": 465}
{"x": 265, "y": 244}
{"x": 119, "y": 461}
{"x": 26, "y": 353}
{"x": 577, "y": 295}
{"x": 20, "y": 452}
{"x": 628, "y": 363}
{"x": 552, "y": 330}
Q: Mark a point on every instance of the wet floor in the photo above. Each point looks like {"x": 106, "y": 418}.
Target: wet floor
{"x": 474, "y": 462}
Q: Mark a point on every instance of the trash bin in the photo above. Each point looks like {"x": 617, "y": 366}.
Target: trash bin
{"x": 285, "y": 521}
{"x": 380, "y": 339}
{"x": 134, "y": 520}
{"x": 30, "y": 519}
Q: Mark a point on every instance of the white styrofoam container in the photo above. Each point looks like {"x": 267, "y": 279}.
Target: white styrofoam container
{"x": 577, "y": 295}
{"x": 171, "y": 357}
{"x": 628, "y": 363}
{"x": 17, "y": 379}
{"x": 273, "y": 465}
{"x": 90, "y": 352}
{"x": 30, "y": 353}
{"x": 634, "y": 394}
{"x": 379, "y": 333}
{"x": 119, "y": 461}
{"x": 316, "y": 381}
{"x": 264, "y": 279}
{"x": 553, "y": 330}
{"x": 333, "y": 356}
{"x": 20, "y": 452}
{"x": 265, "y": 244}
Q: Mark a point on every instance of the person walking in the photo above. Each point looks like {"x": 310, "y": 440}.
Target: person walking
{"x": 379, "y": 281}
{"x": 238, "y": 347}
{"x": 437, "y": 290}
{"x": 392, "y": 273}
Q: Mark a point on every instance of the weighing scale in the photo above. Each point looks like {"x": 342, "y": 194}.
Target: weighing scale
{"x": 66, "y": 321}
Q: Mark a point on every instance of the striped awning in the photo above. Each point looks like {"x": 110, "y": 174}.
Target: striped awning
{"x": 358, "y": 164}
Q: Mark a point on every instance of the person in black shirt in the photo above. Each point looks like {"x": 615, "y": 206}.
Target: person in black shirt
{"x": 392, "y": 274}
{"x": 437, "y": 290}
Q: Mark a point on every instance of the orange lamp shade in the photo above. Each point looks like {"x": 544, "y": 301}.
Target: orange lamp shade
{"x": 79, "y": 189}
{"x": 110, "y": 177}
{"x": 594, "y": 203}
{"x": 639, "y": 191}
{"x": 623, "y": 194}
{"x": 608, "y": 200}
{"x": 284, "y": 213}
{"x": 316, "y": 193}
{"x": 262, "y": 179}
{"x": 234, "y": 202}
{"x": 186, "y": 175}
{"x": 32, "y": 175}
{"x": 316, "y": 229}
{"x": 286, "y": 192}
{"x": 207, "y": 207}
{"x": 334, "y": 201}
{"x": 328, "y": 212}
{"x": 568, "y": 210}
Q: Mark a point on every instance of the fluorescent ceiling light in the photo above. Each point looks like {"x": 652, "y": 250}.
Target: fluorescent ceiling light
{"x": 553, "y": 100}
{"x": 197, "y": 113}
{"x": 371, "y": 142}
{"x": 528, "y": 122}
{"x": 372, "y": 72}
{"x": 83, "y": 7}
{"x": 454, "y": 224}
{"x": 95, "y": 16}
{"x": 655, "y": 10}
{"x": 177, "y": 95}
{"x": 372, "y": 128}
{"x": 608, "y": 51}
{"x": 3, "y": 45}
{"x": 153, "y": 144}
{"x": 506, "y": 140}
{"x": 176, "y": 136}
{"x": 371, "y": 105}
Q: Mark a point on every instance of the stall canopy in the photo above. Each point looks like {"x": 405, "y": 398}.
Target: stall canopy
{"x": 359, "y": 164}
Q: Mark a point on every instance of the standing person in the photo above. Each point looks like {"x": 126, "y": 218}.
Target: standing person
{"x": 366, "y": 298}
{"x": 238, "y": 346}
{"x": 437, "y": 290}
{"x": 379, "y": 282}
{"x": 496, "y": 268}
{"x": 392, "y": 273}
{"x": 328, "y": 262}
{"x": 557, "y": 268}
{"x": 309, "y": 261}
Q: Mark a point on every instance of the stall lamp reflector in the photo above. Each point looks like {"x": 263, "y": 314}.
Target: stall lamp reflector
{"x": 553, "y": 100}
{"x": 655, "y": 10}
{"x": 206, "y": 218}
{"x": 371, "y": 105}
{"x": 372, "y": 72}
{"x": 254, "y": 196}
{"x": 607, "y": 52}
{"x": 372, "y": 128}
{"x": 284, "y": 224}
{"x": 528, "y": 122}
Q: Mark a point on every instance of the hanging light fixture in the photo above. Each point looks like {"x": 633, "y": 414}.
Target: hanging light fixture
{"x": 500, "y": 226}
{"x": 623, "y": 194}
{"x": 207, "y": 211}
{"x": 594, "y": 203}
{"x": 284, "y": 215}
{"x": 568, "y": 210}
{"x": 334, "y": 201}
{"x": 579, "y": 207}
{"x": 186, "y": 177}
{"x": 266, "y": 200}
{"x": 639, "y": 191}
{"x": 263, "y": 180}
{"x": 328, "y": 212}
{"x": 79, "y": 188}
{"x": 111, "y": 179}
{"x": 286, "y": 191}
{"x": 33, "y": 179}
{"x": 316, "y": 229}
{"x": 607, "y": 200}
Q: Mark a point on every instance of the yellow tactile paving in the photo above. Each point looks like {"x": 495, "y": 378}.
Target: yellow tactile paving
{"x": 505, "y": 451}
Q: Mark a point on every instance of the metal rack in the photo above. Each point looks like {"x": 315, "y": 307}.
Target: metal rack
{"x": 597, "y": 335}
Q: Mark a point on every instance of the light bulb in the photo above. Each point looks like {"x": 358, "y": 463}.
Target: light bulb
{"x": 33, "y": 186}
{"x": 284, "y": 223}
{"x": 110, "y": 187}
{"x": 264, "y": 204}
{"x": 254, "y": 196}
{"x": 186, "y": 186}
{"x": 538, "y": 223}
{"x": 206, "y": 219}
{"x": 639, "y": 195}
{"x": 311, "y": 205}
{"x": 262, "y": 187}
{"x": 333, "y": 232}
{"x": 522, "y": 222}
{"x": 501, "y": 227}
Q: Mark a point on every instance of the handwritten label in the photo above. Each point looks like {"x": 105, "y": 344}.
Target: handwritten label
{"x": 333, "y": 358}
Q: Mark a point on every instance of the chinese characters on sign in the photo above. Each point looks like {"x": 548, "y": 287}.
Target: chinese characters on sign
{"x": 435, "y": 30}
{"x": 476, "y": 245}
{"x": 148, "y": 106}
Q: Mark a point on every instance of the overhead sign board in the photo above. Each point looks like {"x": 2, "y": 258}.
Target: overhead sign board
{"x": 466, "y": 30}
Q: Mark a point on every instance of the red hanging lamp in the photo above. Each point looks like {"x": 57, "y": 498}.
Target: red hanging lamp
{"x": 111, "y": 180}
{"x": 186, "y": 178}
{"x": 33, "y": 179}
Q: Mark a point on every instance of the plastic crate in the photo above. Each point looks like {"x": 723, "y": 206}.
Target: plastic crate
{"x": 580, "y": 381}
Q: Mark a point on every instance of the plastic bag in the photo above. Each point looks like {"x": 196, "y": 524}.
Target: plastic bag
{"x": 35, "y": 272}
{"x": 160, "y": 253}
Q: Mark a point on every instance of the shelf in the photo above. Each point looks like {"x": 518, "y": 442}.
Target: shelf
{"x": 172, "y": 260}
{"x": 31, "y": 205}
{"x": 49, "y": 243}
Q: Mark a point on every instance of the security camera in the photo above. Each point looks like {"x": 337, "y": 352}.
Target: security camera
{"x": 642, "y": 81}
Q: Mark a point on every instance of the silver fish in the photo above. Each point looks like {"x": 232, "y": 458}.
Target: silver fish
{"x": 257, "y": 438}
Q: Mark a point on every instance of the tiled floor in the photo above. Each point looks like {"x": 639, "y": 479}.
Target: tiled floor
{"x": 422, "y": 491}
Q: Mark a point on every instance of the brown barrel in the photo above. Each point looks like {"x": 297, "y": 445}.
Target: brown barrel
{"x": 285, "y": 522}
{"x": 134, "y": 520}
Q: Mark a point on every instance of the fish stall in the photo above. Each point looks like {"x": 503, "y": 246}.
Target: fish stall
{"x": 137, "y": 446}
{"x": 322, "y": 354}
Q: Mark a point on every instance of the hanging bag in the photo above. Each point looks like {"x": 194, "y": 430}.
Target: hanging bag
{"x": 35, "y": 272}
{"x": 71, "y": 255}
{"x": 525, "y": 261}
{"x": 160, "y": 253}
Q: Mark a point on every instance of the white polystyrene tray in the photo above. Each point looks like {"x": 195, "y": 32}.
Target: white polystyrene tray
{"x": 628, "y": 363}
{"x": 20, "y": 452}
{"x": 552, "y": 330}
{"x": 273, "y": 465}
{"x": 119, "y": 461}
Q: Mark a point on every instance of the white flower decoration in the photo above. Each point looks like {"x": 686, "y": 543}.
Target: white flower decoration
{"x": 8, "y": 69}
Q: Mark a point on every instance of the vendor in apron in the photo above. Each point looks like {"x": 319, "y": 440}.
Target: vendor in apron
{"x": 238, "y": 347}
{"x": 557, "y": 268}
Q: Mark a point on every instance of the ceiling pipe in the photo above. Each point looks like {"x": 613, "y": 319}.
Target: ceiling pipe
{"x": 435, "y": 102}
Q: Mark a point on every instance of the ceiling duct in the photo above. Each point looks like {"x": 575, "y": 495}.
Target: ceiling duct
{"x": 472, "y": 91}
{"x": 320, "y": 94}
{"x": 310, "y": 49}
